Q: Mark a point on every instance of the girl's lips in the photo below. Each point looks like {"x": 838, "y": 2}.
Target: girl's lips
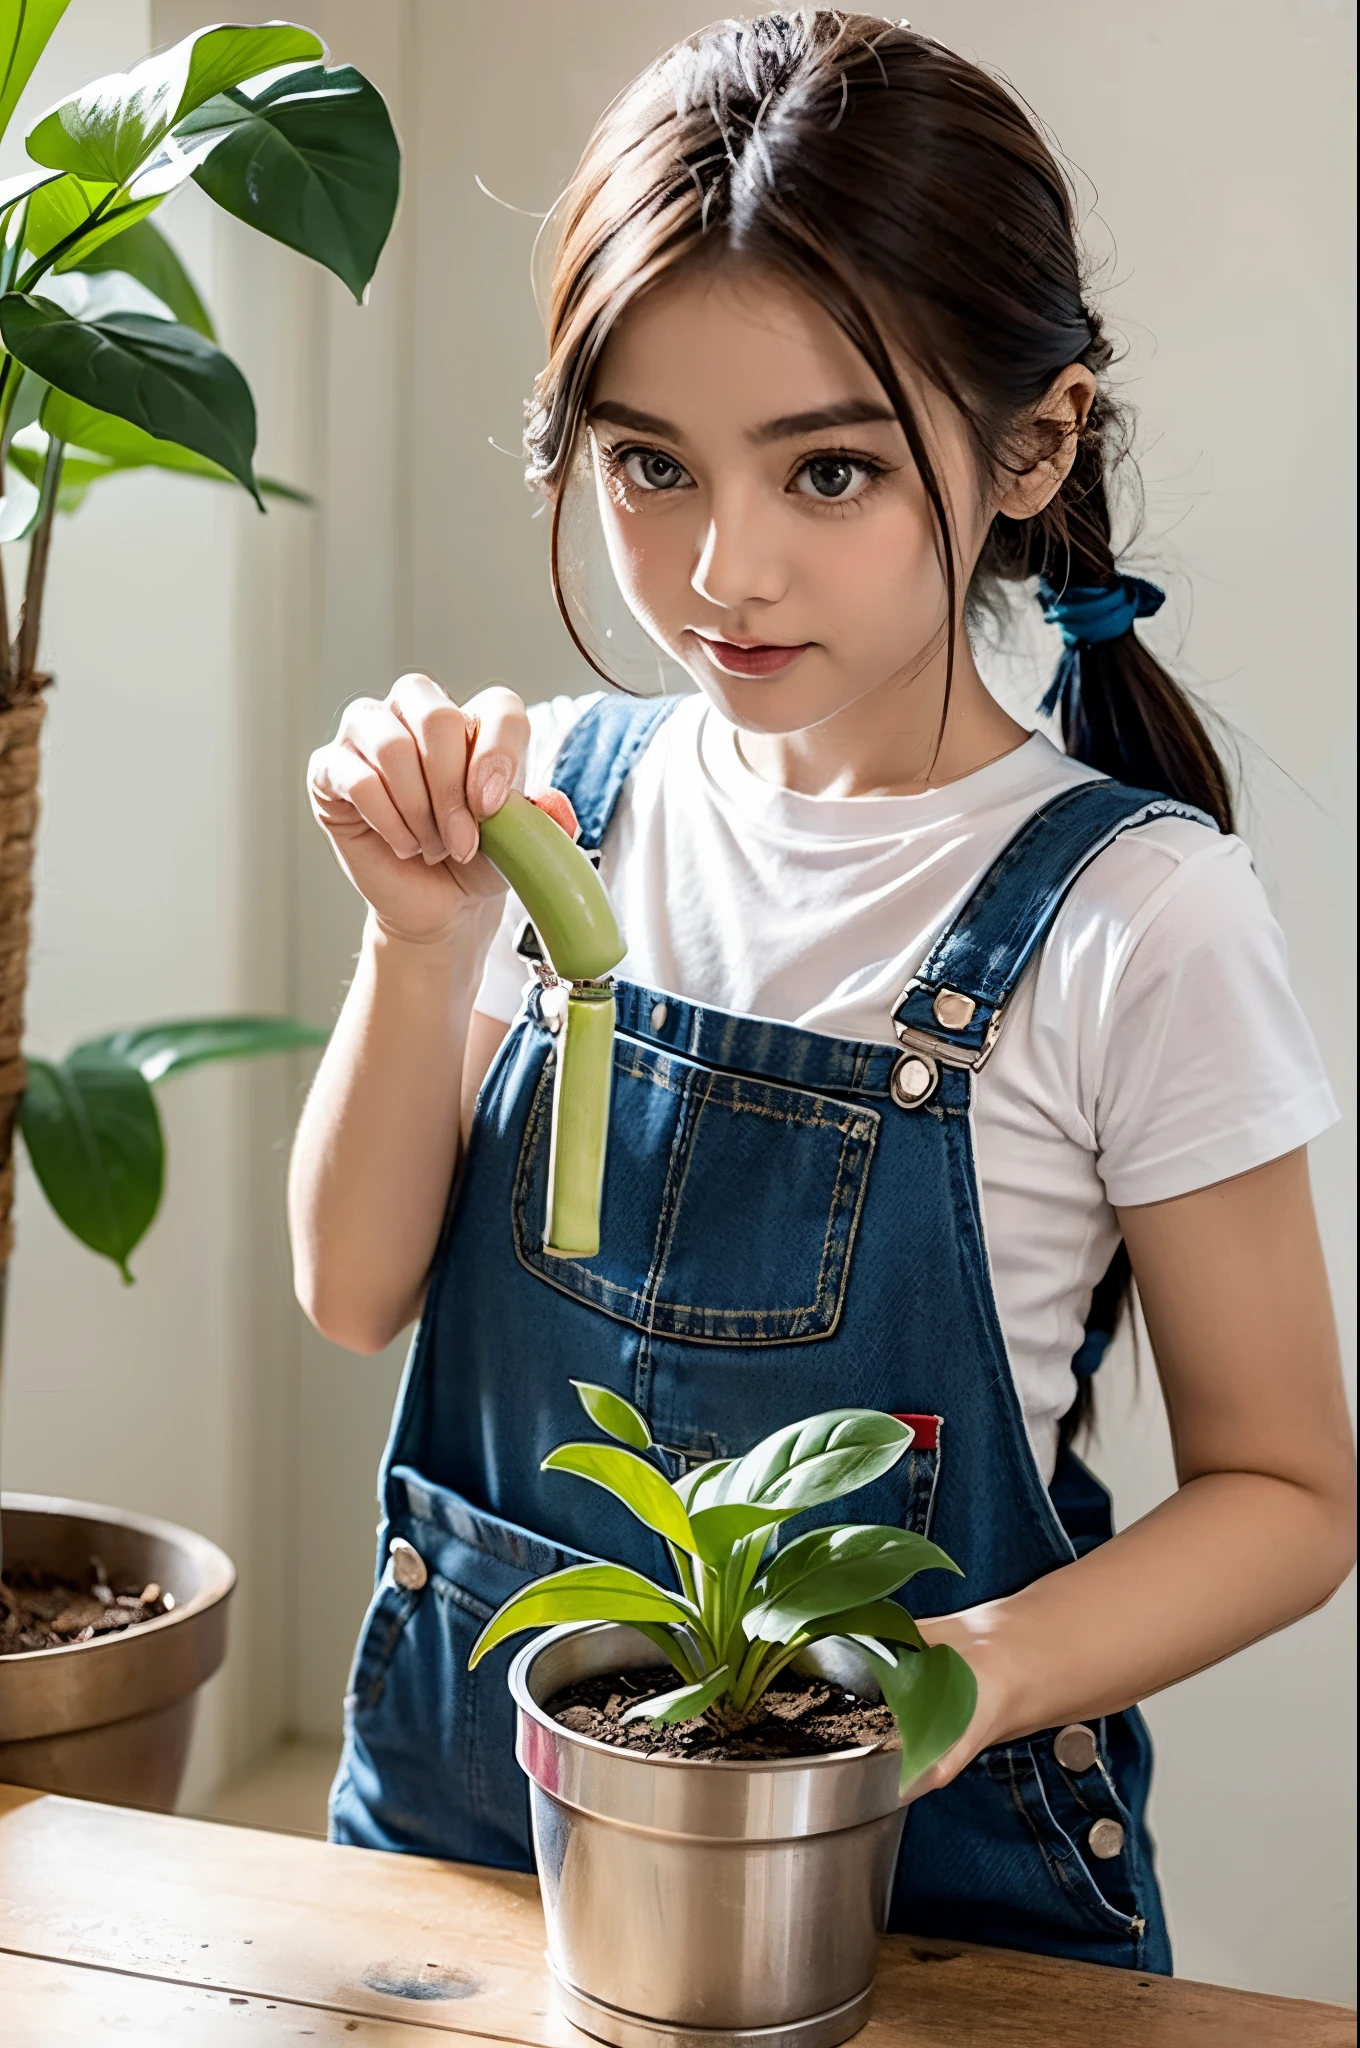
{"x": 763, "y": 659}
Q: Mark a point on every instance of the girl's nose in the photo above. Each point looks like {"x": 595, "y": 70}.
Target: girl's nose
{"x": 739, "y": 562}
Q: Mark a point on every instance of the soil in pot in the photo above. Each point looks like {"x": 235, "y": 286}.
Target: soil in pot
{"x": 802, "y": 1716}
{"x": 40, "y": 1611}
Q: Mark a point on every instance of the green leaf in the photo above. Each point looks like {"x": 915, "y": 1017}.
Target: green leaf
{"x": 94, "y": 1137}
{"x": 25, "y": 30}
{"x": 812, "y": 1462}
{"x": 702, "y": 1479}
{"x": 686, "y": 1703}
{"x": 121, "y": 445}
{"x": 933, "y": 1694}
{"x": 58, "y": 213}
{"x": 640, "y": 1487}
{"x": 886, "y": 1620}
{"x": 311, "y": 160}
{"x": 830, "y": 1569}
{"x": 111, "y": 127}
{"x": 615, "y": 1416}
{"x": 142, "y": 251}
{"x": 583, "y": 1592}
{"x": 158, "y": 1050}
{"x": 157, "y": 374}
{"x": 223, "y": 57}
{"x": 718, "y": 1530}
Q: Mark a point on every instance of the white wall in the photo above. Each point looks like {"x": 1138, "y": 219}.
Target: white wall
{"x": 180, "y": 871}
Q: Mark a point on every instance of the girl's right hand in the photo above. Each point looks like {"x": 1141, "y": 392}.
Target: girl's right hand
{"x": 400, "y": 792}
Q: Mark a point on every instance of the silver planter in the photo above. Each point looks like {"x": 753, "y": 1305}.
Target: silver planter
{"x": 111, "y": 1719}
{"x": 695, "y": 1904}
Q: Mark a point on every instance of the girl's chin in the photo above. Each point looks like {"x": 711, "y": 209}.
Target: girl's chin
{"x": 774, "y": 705}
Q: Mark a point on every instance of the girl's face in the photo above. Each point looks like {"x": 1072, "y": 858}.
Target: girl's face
{"x": 764, "y": 517}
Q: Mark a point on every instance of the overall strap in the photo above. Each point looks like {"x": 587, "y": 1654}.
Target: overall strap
{"x": 600, "y": 753}
{"x": 952, "y": 1010}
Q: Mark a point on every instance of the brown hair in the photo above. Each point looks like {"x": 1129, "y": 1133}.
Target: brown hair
{"x": 912, "y": 195}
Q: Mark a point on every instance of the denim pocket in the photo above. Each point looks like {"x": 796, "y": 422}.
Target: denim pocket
{"x": 730, "y": 1204}
{"x": 430, "y": 1752}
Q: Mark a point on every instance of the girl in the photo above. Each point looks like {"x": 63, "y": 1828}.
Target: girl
{"x": 929, "y": 1033}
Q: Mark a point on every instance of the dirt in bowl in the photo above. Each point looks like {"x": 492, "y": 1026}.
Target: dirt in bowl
{"x": 40, "y": 1611}
{"x": 802, "y": 1716}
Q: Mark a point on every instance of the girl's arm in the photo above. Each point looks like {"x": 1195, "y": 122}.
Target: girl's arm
{"x": 400, "y": 792}
{"x": 1261, "y": 1531}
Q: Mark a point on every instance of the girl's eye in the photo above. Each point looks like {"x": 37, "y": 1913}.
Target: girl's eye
{"x": 834, "y": 476}
{"x": 652, "y": 471}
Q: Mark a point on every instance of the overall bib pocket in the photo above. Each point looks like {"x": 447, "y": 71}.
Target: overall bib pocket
{"x": 688, "y": 1143}
{"x": 429, "y": 1764}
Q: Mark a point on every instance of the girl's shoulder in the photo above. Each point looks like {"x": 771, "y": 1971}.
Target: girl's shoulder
{"x": 1165, "y": 1004}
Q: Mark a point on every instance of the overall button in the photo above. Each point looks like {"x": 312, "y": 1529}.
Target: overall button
{"x": 1075, "y": 1749}
{"x": 1106, "y": 1839}
{"x": 953, "y": 1011}
{"x": 913, "y": 1080}
{"x": 408, "y": 1566}
{"x": 659, "y": 1015}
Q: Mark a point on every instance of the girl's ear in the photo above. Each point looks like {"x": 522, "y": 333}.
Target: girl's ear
{"x": 1053, "y": 427}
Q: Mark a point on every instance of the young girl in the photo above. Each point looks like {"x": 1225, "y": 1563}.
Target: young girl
{"x": 929, "y": 1032}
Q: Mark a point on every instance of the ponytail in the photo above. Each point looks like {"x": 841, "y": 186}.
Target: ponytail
{"x": 1119, "y": 709}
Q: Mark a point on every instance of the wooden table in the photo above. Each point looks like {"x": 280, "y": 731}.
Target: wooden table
{"x": 143, "y": 1928}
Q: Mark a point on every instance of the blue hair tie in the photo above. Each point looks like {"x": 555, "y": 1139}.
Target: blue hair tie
{"x": 1086, "y": 615}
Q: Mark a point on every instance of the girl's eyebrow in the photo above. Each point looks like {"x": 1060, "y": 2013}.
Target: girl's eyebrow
{"x": 847, "y": 412}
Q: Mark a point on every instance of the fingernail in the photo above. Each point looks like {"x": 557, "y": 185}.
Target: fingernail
{"x": 461, "y": 836}
{"x": 494, "y": 787}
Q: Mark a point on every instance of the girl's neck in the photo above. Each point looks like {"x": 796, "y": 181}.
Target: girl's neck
{"x": 888, "y": 742}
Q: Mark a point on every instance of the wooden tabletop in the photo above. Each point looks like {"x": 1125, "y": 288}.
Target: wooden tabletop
{"x": 145, "y": 1928}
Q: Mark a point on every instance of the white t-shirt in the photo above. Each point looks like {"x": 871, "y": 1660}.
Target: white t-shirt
{"x": 1155, "y": 1045}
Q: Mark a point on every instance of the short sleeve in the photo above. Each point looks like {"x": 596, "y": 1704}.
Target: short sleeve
{"x": 505, "y": 974}
{"x": 1207, "y": 1067}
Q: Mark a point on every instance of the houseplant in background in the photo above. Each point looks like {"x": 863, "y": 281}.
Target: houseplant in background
{"x": 108, "y": 362}
{"x": 730, "y": 1871}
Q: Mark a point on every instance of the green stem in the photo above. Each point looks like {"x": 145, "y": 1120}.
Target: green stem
{"x": 580, "y": 1123}
{"x": 674, "y": 1648}
{"x": 680, "y": 1564}
{"x": 30, "y": 616}
{"x": 39, "y": 267}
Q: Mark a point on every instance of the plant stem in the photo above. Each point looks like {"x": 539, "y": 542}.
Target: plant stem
{"x": 30, "y": 617}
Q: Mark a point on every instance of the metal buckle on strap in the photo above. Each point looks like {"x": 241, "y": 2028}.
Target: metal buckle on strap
{"x": 943, "y": 1050}
{"x": 916, "y": 1076}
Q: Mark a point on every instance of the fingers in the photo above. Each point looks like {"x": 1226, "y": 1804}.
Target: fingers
{"x": 419, "y": 771}
{"x": 348, "y": 795}
{"x": 499, "y": 750}
{"x": 441, "y": 737}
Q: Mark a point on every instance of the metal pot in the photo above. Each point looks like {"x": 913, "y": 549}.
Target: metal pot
{"x": 110, "y": 1719}
{"x": 704, "y": 1905}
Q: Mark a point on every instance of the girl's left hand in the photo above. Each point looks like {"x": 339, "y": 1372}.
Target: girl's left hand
{"x": 988, "y": 1724}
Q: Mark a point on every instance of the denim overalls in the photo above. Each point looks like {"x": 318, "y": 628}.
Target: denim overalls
{"x": 790, "y": 1223}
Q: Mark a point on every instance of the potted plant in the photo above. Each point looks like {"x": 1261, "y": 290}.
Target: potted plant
{"x": 108, "y": 363}
{"x": 717, "y": 1854}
